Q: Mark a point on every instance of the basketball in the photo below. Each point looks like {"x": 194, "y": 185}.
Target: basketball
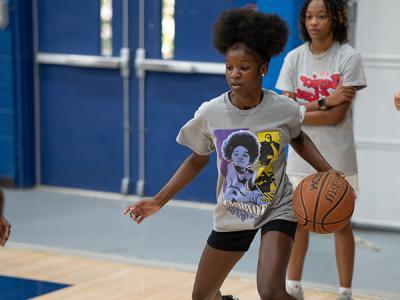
{"x": 323, "y": 202}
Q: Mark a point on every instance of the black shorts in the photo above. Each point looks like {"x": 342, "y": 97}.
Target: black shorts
{"x": 241, "y": 240}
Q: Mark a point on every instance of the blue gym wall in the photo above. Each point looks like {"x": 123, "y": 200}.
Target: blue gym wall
{"x": 16, "y": 98}
{"x": 174, "y": 95}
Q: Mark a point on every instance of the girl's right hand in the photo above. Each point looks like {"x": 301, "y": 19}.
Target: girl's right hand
{"x": 142, "y": 209}
{"x": 341, "y": 94}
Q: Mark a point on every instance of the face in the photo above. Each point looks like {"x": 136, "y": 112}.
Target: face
{"x": 318, "y": 22}
{"x": 240, "y": 157}
{"x": 243, "y": 71}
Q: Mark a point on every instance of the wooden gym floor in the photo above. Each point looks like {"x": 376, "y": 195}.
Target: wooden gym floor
{"x": 68, "y": 244}
{"x": 92, "y": 278}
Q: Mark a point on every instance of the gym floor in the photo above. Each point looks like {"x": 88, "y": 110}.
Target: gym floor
{"x": 90, "y": 225}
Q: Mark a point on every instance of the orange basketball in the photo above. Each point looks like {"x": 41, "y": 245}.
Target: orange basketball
{"x": 323, "y": 202}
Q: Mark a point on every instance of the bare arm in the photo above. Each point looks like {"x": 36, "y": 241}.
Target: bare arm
{"x": 338, "y": 103}
{"x": 188, "y": 170}
{"x": 5, "y": 227}
{"x": 330, "y": 116}
{"x": 304, "y": 146}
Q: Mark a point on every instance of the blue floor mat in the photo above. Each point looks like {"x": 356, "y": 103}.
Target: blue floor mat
{"x": 13, "y": 288}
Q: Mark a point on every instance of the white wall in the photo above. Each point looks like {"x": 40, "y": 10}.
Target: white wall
{"x": 377, "y": 123}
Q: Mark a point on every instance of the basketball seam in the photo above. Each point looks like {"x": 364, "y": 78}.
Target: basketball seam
{"x": 333, "y": 207}
{"x": 338, "y": 221}
{"x": 317, "y": 202}
{"x": 302, "y": 202}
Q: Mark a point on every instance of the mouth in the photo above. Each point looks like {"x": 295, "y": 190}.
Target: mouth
{"x": 313, "y": 31}
{"x": 235, "y": 85}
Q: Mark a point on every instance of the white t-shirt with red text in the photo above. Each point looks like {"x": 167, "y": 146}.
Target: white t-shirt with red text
{"x": 312, "y": 77}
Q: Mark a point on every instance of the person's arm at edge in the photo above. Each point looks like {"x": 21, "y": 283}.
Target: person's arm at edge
{"x": 5, "y": 226}
{"x": 397, "y": 101}
{"x": 1, "y": 203}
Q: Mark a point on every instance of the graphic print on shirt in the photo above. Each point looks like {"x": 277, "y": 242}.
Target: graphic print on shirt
{"x": 270, "y": 144}
{"x": 246, "y": 163}
{"x": 318, "y": 85}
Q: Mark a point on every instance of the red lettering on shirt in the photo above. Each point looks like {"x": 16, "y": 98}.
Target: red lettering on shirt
{"x": 316, "y": 87}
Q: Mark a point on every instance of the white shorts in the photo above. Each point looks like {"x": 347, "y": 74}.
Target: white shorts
{"x": 353, "y": 180}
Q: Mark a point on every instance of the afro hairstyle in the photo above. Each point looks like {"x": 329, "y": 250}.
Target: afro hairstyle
{"x": 265, "y": 34}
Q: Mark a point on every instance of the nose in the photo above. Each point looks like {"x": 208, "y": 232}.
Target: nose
{"x": 235, "y": 73}
{"x": 313, "y": 21}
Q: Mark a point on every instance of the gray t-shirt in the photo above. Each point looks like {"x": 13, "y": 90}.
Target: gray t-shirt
{"x": 252, "y": 186}
{"x": 312, "y": 77}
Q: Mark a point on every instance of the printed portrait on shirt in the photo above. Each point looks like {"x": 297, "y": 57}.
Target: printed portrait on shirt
{"x": 247, "y": 165}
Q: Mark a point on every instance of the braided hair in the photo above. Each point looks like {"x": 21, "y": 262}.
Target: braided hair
{"x": 337, "y": 10}
{"x": 264, "y": 34}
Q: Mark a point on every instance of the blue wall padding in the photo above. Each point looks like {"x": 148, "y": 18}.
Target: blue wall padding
{"x": 69, "y": 26}
{"x": 82, "y": 128}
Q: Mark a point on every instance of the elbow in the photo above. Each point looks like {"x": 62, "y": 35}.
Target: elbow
{"x": 335, "y": 120}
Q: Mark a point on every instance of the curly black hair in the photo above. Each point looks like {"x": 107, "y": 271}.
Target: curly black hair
{"x": 337, "y": 10}
{"x": 241, "y": 138}
{"x": 265, "y": 34}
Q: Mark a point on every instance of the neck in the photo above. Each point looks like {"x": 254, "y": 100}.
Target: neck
{"x": 321, "y": 46}
{"x": 246, "y": 101}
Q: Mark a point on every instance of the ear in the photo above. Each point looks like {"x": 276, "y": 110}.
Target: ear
{"x": 264, "y": 69}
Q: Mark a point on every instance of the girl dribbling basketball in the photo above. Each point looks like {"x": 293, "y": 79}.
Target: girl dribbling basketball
{"x": 253, "y": 192}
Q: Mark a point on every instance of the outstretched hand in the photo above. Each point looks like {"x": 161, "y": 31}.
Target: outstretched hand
{"x": 142, "y": 209}
{"x": 5, "y": 228}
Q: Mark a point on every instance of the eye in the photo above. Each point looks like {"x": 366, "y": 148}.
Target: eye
{"x": 322, "y": 17}
{"x": 228, "y": 68}
{"x": 244, "y": 68}
{"x": 308, "y": 18}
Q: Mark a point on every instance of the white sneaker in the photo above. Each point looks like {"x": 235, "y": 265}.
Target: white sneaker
{"x": 295, "y": 291}
{"x": 344, "y": 297}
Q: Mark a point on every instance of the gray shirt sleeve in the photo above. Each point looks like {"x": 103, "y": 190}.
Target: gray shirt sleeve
{"x": 353, "y": 72}
{"x": 286, "y": 79}
{"x": 195, "y": 134}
